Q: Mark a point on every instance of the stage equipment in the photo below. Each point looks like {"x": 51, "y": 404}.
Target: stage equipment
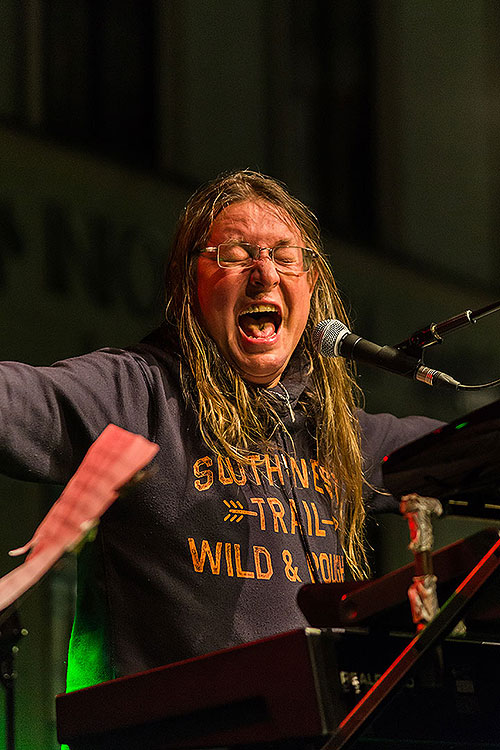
{"x": 332, "y": 338}
{"x": 314, "y": 685}
{"x": 115, "y": 458}
{"x": 330, "y": 684}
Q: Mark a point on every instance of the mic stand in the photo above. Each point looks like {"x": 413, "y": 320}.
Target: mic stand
{"x": 116, "y": 459}
{"x": 434, "y": 332}
{"x": 367, "y": 708}
{"x": 423, "y": 592}
{"x": 10, "y": 633}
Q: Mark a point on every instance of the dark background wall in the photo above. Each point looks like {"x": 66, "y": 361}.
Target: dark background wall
{"x": 383, "y": 116}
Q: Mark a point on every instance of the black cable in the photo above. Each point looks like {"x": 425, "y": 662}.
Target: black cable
{"x": 480, "y": 387}
{"x": 304, "y": 540}
{"x": 315, "y": 575}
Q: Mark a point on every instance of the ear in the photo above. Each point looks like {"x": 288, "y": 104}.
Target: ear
{"x": 312, "y": 277}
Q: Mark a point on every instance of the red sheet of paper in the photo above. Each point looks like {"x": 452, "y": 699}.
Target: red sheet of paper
{"x": 111, "y": 461}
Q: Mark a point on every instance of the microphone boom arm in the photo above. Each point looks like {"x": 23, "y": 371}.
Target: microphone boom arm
{"x": 434, "y": 332}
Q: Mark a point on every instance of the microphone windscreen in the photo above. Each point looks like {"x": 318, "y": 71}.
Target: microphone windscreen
{"x": 327, "y": 336}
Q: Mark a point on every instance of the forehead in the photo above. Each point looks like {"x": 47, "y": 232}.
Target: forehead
{"x": 255, "y": 221}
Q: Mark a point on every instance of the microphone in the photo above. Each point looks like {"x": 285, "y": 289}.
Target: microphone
{"x": 332, "y": 338}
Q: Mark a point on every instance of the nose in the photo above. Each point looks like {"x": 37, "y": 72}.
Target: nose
{"x": 264, "y": 274}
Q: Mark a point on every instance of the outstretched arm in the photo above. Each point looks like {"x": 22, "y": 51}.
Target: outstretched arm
{"x": 49, "y": 416}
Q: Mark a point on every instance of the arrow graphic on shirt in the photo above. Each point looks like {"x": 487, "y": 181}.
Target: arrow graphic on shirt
{"x": 237, "y": 511}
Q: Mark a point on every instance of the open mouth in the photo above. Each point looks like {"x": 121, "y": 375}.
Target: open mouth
{"x": 260, "y": 321}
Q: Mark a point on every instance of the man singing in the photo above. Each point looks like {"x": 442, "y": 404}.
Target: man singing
{"x": 266, "y": 467}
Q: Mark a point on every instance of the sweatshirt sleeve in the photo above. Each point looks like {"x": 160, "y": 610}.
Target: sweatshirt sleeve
{"x": 381, "y": 434}
{"x": 49, "y": 416}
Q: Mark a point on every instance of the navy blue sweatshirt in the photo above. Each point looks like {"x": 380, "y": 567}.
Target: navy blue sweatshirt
{"x": 202, "y": 554}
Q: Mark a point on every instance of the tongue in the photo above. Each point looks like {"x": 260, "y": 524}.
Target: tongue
{"x": 258, "y": 328}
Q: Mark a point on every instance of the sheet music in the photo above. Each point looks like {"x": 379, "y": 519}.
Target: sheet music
{"x": 111, "y": 461}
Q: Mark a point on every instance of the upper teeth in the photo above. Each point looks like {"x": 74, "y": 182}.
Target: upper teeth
{"x": 259, "y": 309}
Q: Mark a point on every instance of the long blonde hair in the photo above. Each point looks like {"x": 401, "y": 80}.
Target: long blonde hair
{"x": 233, "y": 415}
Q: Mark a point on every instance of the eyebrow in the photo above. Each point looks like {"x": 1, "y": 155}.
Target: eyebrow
{"x": 242, "y": 239}
{"x": 283, "y": 242}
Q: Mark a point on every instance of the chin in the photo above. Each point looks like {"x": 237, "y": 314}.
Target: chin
{"x": 262, "y": 373}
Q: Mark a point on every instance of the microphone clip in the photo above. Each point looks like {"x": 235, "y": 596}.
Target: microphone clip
{"x": 434, "y": 332}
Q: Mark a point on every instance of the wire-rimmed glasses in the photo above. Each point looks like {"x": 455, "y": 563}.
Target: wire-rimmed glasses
{"x": 287, "y": 258}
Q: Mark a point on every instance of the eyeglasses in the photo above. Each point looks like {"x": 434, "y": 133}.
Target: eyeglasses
{"x": 286, "y": 258}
